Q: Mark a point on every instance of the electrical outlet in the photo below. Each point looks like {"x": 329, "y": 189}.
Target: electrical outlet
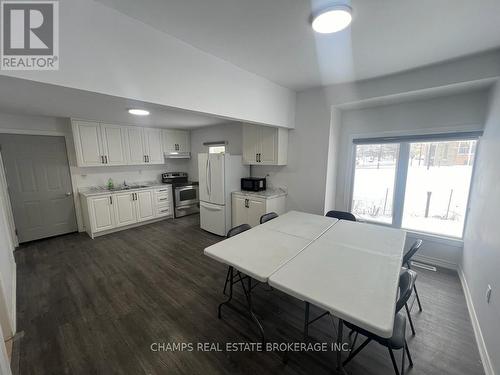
{"x": 488, "y": 294}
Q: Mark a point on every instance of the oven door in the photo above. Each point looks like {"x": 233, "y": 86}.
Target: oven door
{"x": 186, "y": 196}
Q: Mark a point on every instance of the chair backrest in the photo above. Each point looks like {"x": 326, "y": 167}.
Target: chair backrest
{"x": 414, "y": 248}
{"x": 406, "y": 282}
{"x": 237, "y": 230}
{"x": 341, "y": 215}
{"x": 268, "y": 216}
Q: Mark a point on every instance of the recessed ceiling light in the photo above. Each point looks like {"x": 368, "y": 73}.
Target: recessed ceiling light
{"x": 138, "y": 112}
{"x": 332, "y": 19}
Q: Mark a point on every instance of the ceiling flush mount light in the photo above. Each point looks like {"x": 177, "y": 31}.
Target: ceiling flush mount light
{"x": 138, "y": 112}
{"x": 332, "y": 19}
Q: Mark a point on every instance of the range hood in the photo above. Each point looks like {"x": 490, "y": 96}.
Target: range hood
{"x": 177, "y": 155}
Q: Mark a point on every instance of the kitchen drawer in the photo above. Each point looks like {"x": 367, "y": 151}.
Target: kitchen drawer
{"x": 164, "y": 190}
{"x": 163, "y": 211}
{"x": 162, "y": 198}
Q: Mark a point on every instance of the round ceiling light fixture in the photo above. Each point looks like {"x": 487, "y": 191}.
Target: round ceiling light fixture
{"x": 138, "y": 112}
{"x": 332, "y": 19}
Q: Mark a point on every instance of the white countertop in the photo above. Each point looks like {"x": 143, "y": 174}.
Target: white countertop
{"x": 103, "y": 190}
{"x": 266, "y": 194}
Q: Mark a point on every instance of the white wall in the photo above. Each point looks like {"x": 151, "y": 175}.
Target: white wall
{"x": 7, "y": 268}
{"x": 105, "y": 51}
{"x": 481, "y": 256}
{"x": 436, "y": 115}
{"x": 88, "y": 176}
{"x": 232, "y": 133}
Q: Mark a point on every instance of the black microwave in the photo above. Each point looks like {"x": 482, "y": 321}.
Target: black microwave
{"x": 253, "y": 183}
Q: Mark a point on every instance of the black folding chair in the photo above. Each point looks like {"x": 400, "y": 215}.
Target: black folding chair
{"x": 407, "y": 263}
{"x": 341, "y": 215}
{"x": 233, "y": 232}
{"x": 398, "y": 339}
{"x": 269, "y": 216}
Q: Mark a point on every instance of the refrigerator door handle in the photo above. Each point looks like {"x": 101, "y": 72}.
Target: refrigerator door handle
{"x": 206, "y": 177}
{"x": 210, "y": 174}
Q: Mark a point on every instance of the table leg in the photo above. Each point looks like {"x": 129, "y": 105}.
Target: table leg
{"x": 339, "y": 344}
{"x": 231, "y": 272}
{"x": 250, "y": 310}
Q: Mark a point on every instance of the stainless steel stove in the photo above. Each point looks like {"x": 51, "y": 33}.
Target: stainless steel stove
{"x": 186, "y": 198}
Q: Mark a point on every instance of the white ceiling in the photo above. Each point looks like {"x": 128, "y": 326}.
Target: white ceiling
{"x": 25, "y": 97}
{"x": 273, "y": 38}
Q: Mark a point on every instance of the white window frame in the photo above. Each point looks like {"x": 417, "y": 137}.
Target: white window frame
{"x": 401, "y": 178}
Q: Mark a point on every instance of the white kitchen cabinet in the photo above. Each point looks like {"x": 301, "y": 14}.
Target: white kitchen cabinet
{"x": 114, "y": 145}
{"x": 247, "y": 208}
{"x": 263, "y": 145}
{"x": 105, "y": 213}
{"x": 125, "y": 209}
{"x": 135, "y": 138}
{"x": 153, "y": 148}
{"x": 101, "y": 213}
{"x": 99, "y": 144}
{"x": 176, "y": 141}
{"x": 145, "y": 205}
{"x": 87, "y": 139}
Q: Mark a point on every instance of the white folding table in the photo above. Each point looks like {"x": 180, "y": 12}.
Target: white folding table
{"x": 352, "y": 271}
{"x": 260, "y": 251}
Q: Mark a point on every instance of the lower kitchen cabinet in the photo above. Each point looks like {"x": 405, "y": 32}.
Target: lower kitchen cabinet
{"x": 107, "y": 213}
{"x": 247, "y": 208}
{"x": 101, "y": 213}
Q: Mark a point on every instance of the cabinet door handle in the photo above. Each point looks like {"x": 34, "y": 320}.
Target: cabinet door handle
{"x": 260, "y": 160}
{"x": 256, "y": 158}
{"x": 105, "y": 159}
{"x": 110, "y": 199}
{"x": 102, "y": 159}
{"x": 144, "y": 158}
{"x": 135, "y": 196}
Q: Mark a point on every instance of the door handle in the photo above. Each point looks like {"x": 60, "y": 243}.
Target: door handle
{"x": 206, "y": 176}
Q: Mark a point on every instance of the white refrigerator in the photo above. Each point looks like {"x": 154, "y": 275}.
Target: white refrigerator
{"x": 219, "y": 175}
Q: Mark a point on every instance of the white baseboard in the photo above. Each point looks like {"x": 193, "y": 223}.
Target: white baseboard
{"x": 435, "y": 262}
{"x": 483, "y": 352}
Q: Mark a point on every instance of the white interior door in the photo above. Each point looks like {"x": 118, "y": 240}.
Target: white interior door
{"x": 88, "y": 143}
{"x": 102, "y": 213}
{"x": 213, "y": 218}
{"x": 125, "y": 209}
{"x": 145, "y": 205}
{"x": 136, "y": 152}
{"x": 114, "y": 144}
{"x": 39, "y": 181}
{"x": 216, "y": 178}
{"x": 203, "y": 177}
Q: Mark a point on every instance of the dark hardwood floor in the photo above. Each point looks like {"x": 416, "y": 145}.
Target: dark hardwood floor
{"x": 96, "y": 306}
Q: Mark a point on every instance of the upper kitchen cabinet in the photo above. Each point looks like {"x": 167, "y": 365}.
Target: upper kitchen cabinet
{"x": 264, "y": 145}
{"x": 152, "y": 146}
{"x": 88, "y": 145}
{"x": 144, "y": 146}
{"x": 176, "y": 143}
{"x": 114, "y": 144}
{"x": 98, "y": 144}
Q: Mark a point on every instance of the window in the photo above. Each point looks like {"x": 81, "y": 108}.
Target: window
{"x": 416, "y": 184}
{"x": 374, "y": 178}
{"x": 216, "y": 149}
